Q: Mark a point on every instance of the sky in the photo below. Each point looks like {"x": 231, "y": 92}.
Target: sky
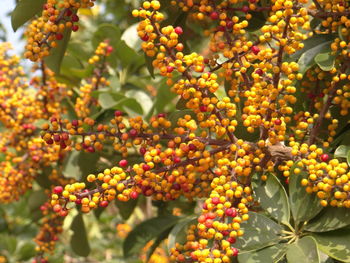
{"x": 6, "y": 6}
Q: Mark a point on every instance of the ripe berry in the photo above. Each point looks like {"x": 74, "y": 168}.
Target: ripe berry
{"x": 145, "y": 38}
{"x": 75, "y": 18}
{"x": 118, "y": 113}
{"x": 59, "y": 36}
{"x": 63, "y": 213}
{"x": 58, "y": 189}
{"x": 146, "y": 167}
{"x": 245, "y": 9}
{"x": 123, "y": 163}
{"x": 259, "y": 71}
{"x": 57, "y": 208}
{"x": 75, "y": 28}
{"x": 235, "y": 251}
{"x": 214, "y": 15}
{"x": 324, "y": 157}
{"x": 134, "y": 195}
{"x": 104, "y": 203}
{"x": 203, "y": 108}
{"x": 143, "y": 150}
{"x": 169, "y": 69}
{"x": 278, "y": 122}
{"x": 255, "y": 50}
{"x": 231, "y": 212}
{"x": 215, "y": 200}
{"x": 178, "y": 30}
{"x": 133, "y": 133}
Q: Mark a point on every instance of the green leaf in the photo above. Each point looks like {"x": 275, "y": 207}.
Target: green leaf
{"x": 325, "y": 61}
{"x": 24, "y": 11}
{"x": 307, "y": 59}
{"x": 8, "y": 243}
{"x": 178, "y": 233}
{"x": 106, "y": 32}
{"x": 54, "y": 60}
{"x": 130, "y": 106}
{"x": 266, "y": 255}
{"x": 149, "y": 65}
{"x": 36, "y": 199}
{"x": 335, "y": 244}
{"x": 71, "y": 167}
{"x": 126, "y": 208}
{"x": 79, "y": 241}
{"x": 342, "y": 151}
{"x": 145, "y": 232}
{"x": 157, "y": 242}
{"x": 348, "y": 158}
{"x": 109, "y": 100}
{"x": 131, "y": 37}
{"x": 127, "y": 55}
{"x": 26, "y": 251}
{"x": 304, "y": 206}
{"x": 259, "y": 232}
{"x": 256, "y": 22}
{"x": 181, "y": 104}
{"x": 272, "y": 197}
{"x": 330, "y": 218}
{"x": 303, "y": 251}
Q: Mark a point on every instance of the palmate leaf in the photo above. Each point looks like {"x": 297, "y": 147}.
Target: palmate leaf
{"x": 303, "y": 251}
{"x": 145, "y": 232}
{"x": 272, "y": 197}
{"x": 266, "y": 255}
{"x": 304, "y": 206}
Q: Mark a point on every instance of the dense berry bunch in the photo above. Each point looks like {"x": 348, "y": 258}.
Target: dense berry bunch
{"x": 59, "y": 18}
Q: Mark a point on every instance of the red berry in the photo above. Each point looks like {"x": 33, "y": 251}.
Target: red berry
{"x": 56, "y": 137}
{"x": 109, "y": 49}
{"x": 59, "y": 36}
{"x": 177, "y": 159}
{"x": 118, "y": 113}
{"x": 75, "y": 18}
{"x": 91, "y": 149}
{"x": 178, "y": 30}
{"x": 214, "y": 15}
{"x": 245, "y": 9}
{"x": 146, "y": 167}
{"x": 75, "y": 28}
{"x": 53, "y": 119}
{"x": 161, "y": 115}
{"x": 145, "y": 38}
{"x": 259, "y": 71}
{"x": 58, "y": 189}
{"x": 133, "y": 133}
{"x": 231, "y": 212}
{"x": 203, "y": 108}
{"x": 143, "y": 150}
{"x": 63, "y": 213}
{"x": 169, "y": 69}
{"x": 255, "y": 50}
{"x": 235, "y": 251}
{"x": 134, "y": 195}
{"x": 123, "y": 163}
{"x": 215, "y": 200}
{"x": 57, "y": 208}
{"x": 75, "y": 123}
{"x": 104, "y": 203}
{"x": 201, "y": 219}
{"x": 324, "y": 157}
{"x": 232, "y": 240}
{"x": 69, "y": 12}
{"x": 278, "y": 122}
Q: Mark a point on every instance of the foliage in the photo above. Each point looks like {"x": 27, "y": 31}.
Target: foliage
{"x": 199, "y": 131}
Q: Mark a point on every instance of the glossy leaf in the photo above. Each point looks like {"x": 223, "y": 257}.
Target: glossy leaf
{"x": 266, "y": 255}
{"x": 330, "y": 218}
{"x": 325, "y": 61}
{"x": 272, "y": 197}
{"x": 146, "y": 231}
{"x": 259, "y": 232}
{"x": 26, "y": 251}
{"x": 106, "y": 32}
{"x": 126, "y": 208}
{"x": 161, "y": 237}
{"x": 335, "y": 244}
{"x": 178, "y": 233}
{"x": 342, "y": 151}
{"x": 303, "y": 251}
{"x": 54, "y": 60}
{"x": 79, "y": 241}
{"x": 306, "y": 60}
{"x": 149, "y": 65}
{"x": 24, "y": 11}
{"x": 304, "y": 206}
